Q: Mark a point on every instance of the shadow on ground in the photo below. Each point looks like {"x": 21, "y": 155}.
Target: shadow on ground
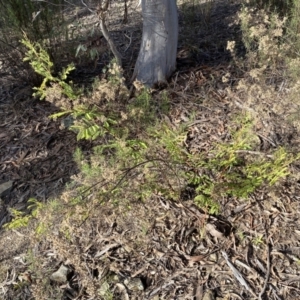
{"x": 36, "y": 153}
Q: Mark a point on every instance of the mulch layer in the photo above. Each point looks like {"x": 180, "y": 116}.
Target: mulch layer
{"x": 250, "y": 251}
{"x": 35, "y": 154}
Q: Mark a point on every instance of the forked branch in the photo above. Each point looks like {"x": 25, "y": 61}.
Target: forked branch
{"x": 102, "y": 12}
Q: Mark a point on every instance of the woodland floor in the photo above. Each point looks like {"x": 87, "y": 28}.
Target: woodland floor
{"x": 175, "y": 260}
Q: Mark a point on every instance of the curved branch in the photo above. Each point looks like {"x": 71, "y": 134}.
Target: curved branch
{"x": 101, "y": 11}
{"x": 111, "y": 43}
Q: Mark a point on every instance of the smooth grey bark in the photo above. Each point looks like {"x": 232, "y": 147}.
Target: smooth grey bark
{"x": 157, "y": 56}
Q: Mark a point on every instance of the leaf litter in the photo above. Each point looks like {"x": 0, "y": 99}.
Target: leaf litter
{"x": 160, "y": 249}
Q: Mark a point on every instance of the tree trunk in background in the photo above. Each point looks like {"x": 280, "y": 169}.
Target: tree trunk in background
{"x": 157, "y": 57}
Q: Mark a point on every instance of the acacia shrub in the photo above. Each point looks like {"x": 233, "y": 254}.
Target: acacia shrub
{"x": 41, "y": 21}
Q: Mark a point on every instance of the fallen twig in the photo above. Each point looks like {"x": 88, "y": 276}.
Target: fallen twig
{"x": 237, "y": 274}
{"x": 267, "y": 275}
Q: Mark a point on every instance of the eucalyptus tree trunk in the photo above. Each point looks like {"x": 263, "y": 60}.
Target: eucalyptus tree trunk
{"x": 157, "y": 56}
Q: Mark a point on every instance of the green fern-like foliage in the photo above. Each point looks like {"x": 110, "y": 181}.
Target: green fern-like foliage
{"x": 234, "y": 169}
{"x": 41, "y": 63}
{"x": 90, "y": 124}
{"x": 231, "y": 169}
{"x": 204, "y": 197}
{"x": 21, "y": 219}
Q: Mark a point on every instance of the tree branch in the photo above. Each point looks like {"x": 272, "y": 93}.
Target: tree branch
{"x": 111, "y": 43}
